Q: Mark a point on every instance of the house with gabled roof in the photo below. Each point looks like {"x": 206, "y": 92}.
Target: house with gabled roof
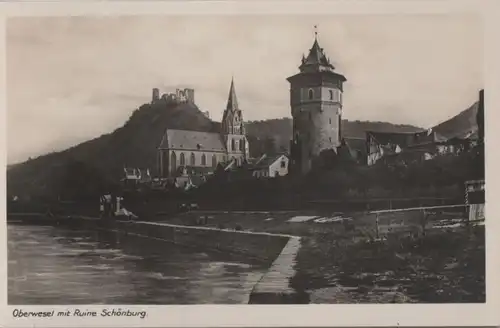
{"x": 270, "y": 166}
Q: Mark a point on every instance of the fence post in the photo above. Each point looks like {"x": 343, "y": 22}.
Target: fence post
{"x": 376, "y": 226}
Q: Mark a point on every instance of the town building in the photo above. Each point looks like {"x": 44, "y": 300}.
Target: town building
{"x": 316, "y": 107}
{"x": 389, "y": 144}
{"x": 197, "y": 150}
{"x": 411, "y": 147}
{"x": 134, "y": 176}
{"x": 270, "y": 166}
{"x": 266, "y": 166}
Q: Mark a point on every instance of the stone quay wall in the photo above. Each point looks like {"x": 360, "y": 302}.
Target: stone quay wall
{"x": 260, "y": 246}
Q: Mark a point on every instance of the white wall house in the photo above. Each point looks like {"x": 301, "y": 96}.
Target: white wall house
{"x": 270, "y": 167}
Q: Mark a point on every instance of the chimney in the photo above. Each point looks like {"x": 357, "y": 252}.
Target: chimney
{"x": 207, "y": 114}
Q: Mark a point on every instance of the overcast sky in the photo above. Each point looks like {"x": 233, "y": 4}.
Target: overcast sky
{"x": 72, "y": 79}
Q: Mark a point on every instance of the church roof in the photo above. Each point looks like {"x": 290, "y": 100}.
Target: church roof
{"x": 192, "y": 140}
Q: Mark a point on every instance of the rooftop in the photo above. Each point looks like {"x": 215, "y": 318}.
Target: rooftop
{"x": 192, "y": 140}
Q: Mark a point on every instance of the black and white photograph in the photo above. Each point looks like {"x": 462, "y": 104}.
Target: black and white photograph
{"x": 245, "y": 159}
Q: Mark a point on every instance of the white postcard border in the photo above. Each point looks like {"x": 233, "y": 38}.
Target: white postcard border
{"x": 285, "y": 315}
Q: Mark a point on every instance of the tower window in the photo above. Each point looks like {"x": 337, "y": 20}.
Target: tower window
{"x": 203, "y": 160}
{"x": 331, "y": 94}
{"x": 330, "y": 121}
{"x": 193, "y": 159}
{"x": 311, "y": 94}
{"x": 182, "y": 160}
{"x": 233, "y": 145}
{"x": 214, "y": 161}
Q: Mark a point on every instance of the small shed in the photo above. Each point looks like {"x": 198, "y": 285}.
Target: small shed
{"x": 475, "y": 199}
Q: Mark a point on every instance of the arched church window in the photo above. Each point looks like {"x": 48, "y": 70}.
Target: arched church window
{"x": 214, "y": 161}
{"x": 193, "y": 160}
{"x": 331, "y": 94}
{"x": 311, "y": 94}
{"x": 233, "y": 145}
{"x": 173, "y": 162}
{"x": 203, "y": 160}
{"x": 182, "y": 159}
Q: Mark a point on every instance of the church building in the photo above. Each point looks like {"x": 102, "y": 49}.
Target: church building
{"x": 316, "y": 106}
{"x": 201, "y": 152}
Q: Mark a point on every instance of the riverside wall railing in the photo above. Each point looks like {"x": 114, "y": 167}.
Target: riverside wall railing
{"x": 421, "y": 220}
{"x": 373, "y": 204}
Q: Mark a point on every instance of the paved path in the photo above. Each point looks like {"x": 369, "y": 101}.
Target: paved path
{"x": 277, "y": 279}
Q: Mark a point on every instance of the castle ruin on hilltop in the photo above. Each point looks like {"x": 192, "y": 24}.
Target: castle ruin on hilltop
{"x": 180, "y": 96}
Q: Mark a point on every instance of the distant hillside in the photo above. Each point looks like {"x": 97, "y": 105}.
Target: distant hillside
{"x": 134, "y": 144}
{"x": 101, "y": 160}
{"x": 459, "y": 125}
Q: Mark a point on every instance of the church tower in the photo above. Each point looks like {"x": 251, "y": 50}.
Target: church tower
{"x": 316, "y": 106}
{"x": 233, "y": 129}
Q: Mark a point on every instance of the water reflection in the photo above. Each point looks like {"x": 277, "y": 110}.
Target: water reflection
{"x": 48, "y": 265}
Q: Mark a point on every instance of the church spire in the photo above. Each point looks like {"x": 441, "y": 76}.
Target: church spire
{"x": 232, "y": 101}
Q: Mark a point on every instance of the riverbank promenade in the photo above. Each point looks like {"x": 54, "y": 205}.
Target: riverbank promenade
{"x": 416, "y": 255}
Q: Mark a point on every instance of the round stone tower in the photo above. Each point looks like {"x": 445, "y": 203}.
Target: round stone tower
{"x": 316, "y": 105}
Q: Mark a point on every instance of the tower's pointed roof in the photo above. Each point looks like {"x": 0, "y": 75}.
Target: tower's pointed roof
{"x": 316, "y": 58}
{"x": 232, "y": 101}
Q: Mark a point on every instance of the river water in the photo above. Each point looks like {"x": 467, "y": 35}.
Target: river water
{"x": 52, "y": 266}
